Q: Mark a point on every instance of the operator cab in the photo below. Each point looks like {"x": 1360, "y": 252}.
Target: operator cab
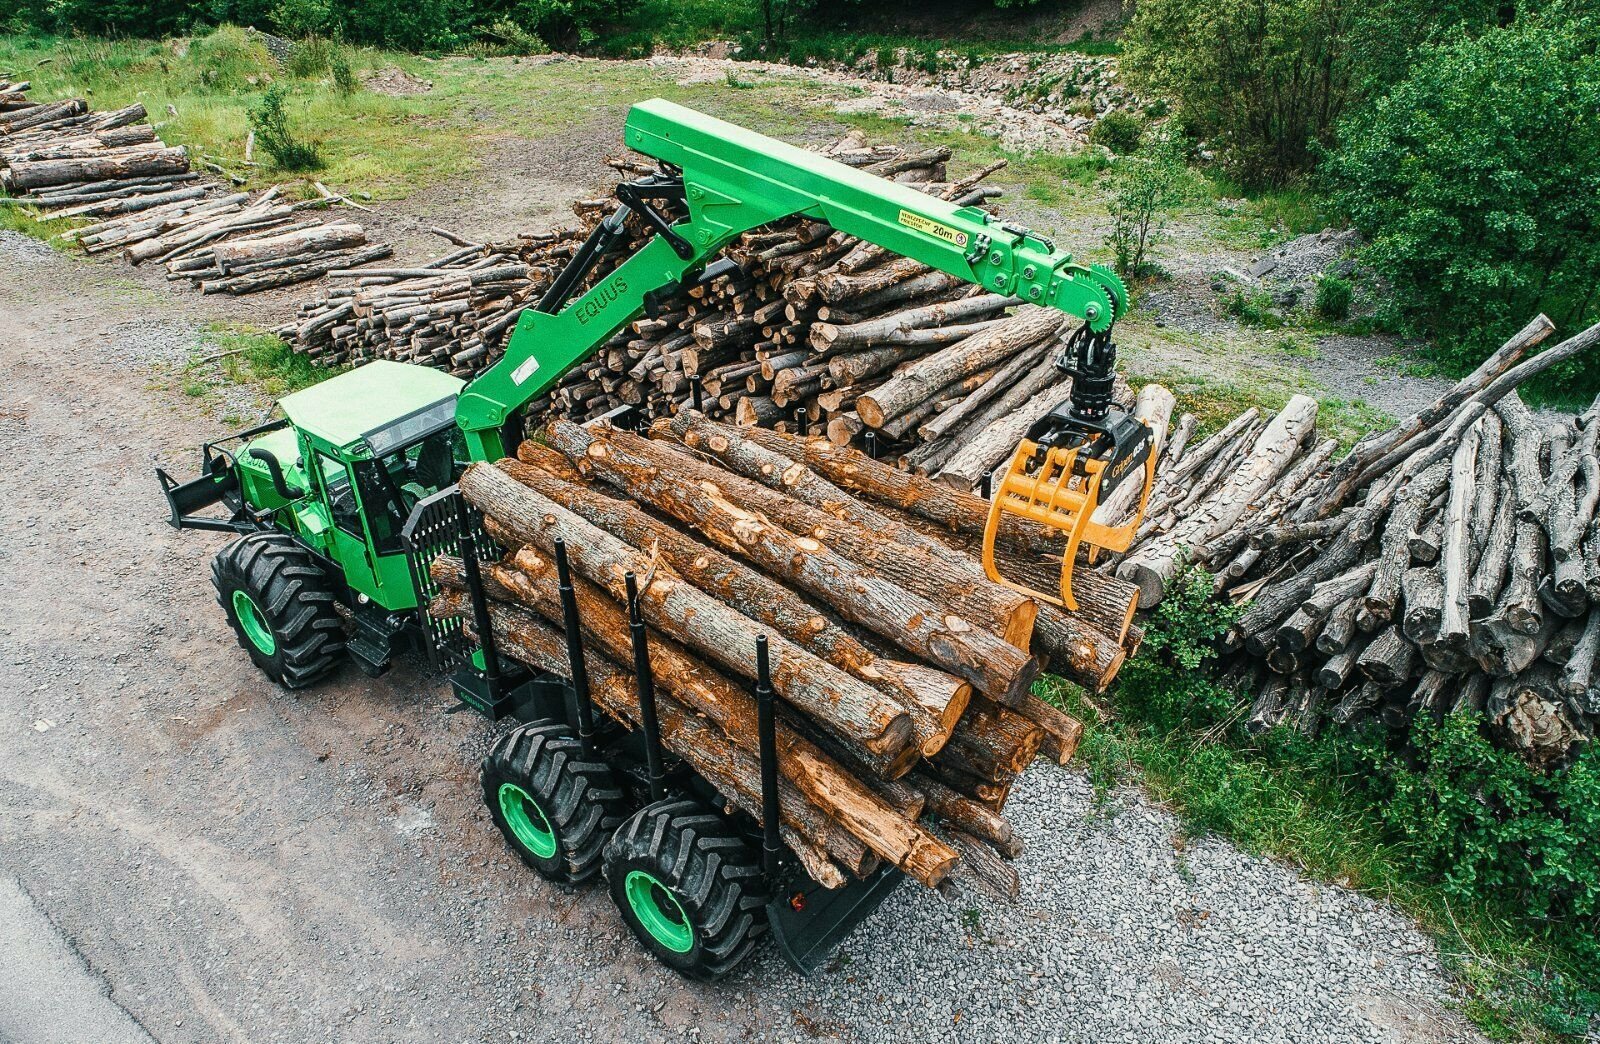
{"x": 343, "y": 470}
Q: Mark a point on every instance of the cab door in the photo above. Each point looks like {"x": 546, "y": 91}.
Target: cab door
{"x": 346, "y": 536}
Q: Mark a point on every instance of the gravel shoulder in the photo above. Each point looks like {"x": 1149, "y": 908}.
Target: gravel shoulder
{"x": 239, "y": 863}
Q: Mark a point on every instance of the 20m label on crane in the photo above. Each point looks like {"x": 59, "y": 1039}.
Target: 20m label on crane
{"x": 930, "y": 227}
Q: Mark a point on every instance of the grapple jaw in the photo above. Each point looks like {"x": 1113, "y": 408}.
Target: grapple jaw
{"x": 1057, "y": 479}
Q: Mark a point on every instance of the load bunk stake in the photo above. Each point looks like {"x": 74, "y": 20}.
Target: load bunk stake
{"x": 492, "y": 678}
{"x": 767, "y": 736}
{"x": 580, "y": 673}
{"x": 695, "y": 393}
{"x": 644, "y": 681}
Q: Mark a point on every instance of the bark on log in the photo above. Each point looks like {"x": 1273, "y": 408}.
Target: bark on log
{"x": 1454, "y": 551}
{"x": 1388, "y": 659}
{"x": 1029, "y": 326}
{"x": 1012, "y": 613}
{"x": 995, "y": 443}
{"x": 1156, "y": 561}
{"x": 30, "y": 176}
{"x": 855, "y": 712}
{"x": 935, "y": 698}
{"x": 308, "y": 241}
{"x": 993, "y": 666}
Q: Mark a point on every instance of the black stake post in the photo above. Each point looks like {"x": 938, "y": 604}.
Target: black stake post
{"x": 696, "y": 395}
{"x": 802, "y": 421}
{"x": 480, "y": 603}
{"x": 767, "y": 737}
{"x": 986, "y": 486}
{"x": 645, "y": 682}
{"x": 575, "y": 664}
{"x": 872, "y": 445}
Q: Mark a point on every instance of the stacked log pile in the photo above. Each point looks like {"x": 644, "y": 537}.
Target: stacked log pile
{"x": 454, "y": 312}
{"x": 903, "y": 674}
{"x": 142, "y": 200}
{"x": 1450, "y": 564}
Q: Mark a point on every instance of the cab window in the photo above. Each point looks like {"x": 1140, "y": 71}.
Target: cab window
{"x": 341, "y": 498}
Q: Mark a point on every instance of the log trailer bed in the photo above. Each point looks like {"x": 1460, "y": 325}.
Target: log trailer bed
{"x": 349, "y": 509}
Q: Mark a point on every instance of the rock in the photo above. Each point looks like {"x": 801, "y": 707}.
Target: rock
{"x": 1262, "y": 267}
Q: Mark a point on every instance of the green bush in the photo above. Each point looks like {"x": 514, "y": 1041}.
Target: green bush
{"x": 517, "y": 39}
{"x": 344, "y": 77}
{"x": 1265, "y": 83}
{"x": 303, "y": 18}
{"x": 1333, "y": 298}
{"x": 311, "y": 57}
{"x": 276, "y": 136}
{"x": 1144, "y": 188}
{"x": 1119, "y": 131}
{"x": 1477, "y": 182}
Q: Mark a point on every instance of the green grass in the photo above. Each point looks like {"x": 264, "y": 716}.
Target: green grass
{"x": 246, "y": 355}
{"x": 1262, "y": 220}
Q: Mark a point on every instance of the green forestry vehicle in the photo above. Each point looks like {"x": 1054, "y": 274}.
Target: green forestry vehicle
{"x": 339, "y": 507}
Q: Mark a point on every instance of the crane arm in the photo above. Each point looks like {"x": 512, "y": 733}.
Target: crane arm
{"x": 730, "y": 180}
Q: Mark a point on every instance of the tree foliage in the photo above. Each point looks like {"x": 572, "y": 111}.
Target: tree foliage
{"x": 1477, "y": 180}
{"x": 1267, "y": 81}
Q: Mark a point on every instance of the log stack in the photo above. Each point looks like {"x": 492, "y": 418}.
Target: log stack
{"x": 1451, "y": 564}
{"x": 903, "y": 673}
{"x": 453, "y": 312}
{"x": 142, "y": 200}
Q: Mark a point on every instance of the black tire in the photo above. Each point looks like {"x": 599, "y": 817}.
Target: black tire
{"x": 555, "y": 807}
{"x": 678, "y": 864}
{"x": 280, "y": 602}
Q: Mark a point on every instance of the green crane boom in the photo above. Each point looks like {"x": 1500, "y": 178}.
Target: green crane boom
{"x": 733, "y": 180}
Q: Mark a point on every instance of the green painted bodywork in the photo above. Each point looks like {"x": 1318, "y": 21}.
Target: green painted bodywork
{"x": 331, "y": 423}
{"x": 659, "y": 911}
{"x": 736, "y": 180}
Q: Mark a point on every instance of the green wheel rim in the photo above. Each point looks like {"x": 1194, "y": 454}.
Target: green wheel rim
{"x": 253, "y": 623}
{"x": 658, "y": 910}
{"x": 527, "y": 821}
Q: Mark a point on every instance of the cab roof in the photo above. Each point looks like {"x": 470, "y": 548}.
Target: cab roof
{"x": 342, "y": 409}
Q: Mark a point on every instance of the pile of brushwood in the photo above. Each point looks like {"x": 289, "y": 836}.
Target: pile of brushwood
{"x": 903, "y": 673}
{"x": 814, "y": 331}
{"x": 1449, "y": 564}
{"x": 130, "y": 193}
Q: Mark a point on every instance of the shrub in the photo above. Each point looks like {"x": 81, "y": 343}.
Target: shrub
{"x": 1333, "y": 297}
{"x": 303, "y": 18}
{"x": 1487, "y": 825}
{"x": 310, "y": 57}
{"x": 1477, "y": 182}
{"x": 276, "y": 137}
{"x": 1143, "y": 188}
{"x": 344, "y": 77}
{"x": 1266, "y": 83}
{"x": 1118, "y": 131}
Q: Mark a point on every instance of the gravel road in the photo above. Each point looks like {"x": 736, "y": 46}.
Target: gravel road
{"x": 237, "y": 863}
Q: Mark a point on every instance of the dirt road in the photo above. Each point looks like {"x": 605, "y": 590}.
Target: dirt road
{"x": 240, "y": 864}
